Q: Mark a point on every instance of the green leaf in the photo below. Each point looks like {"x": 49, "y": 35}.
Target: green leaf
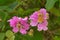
{"x": 57, "y": 20}
{"x": 3, "y": 16}
{"x": 50, "y": 4}
{"x": 11, "y": 38}
{"x": 55, "y": 11}
{"x": 2, "y": 35}
{"x": 59, "y": 3}
{"x": 6, "y": 9}
{"x": 57, "y": 38}
{"x": 36, "y": 36}
{"x": 23, "y": 13}
{"x": 14, "y": 5}
{"x": 6, "y": 2}
{"x": 9, "y": 34}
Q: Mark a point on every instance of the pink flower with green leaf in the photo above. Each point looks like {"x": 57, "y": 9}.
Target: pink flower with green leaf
{"x": 39, "y": 19}
{"x": 19, "y": 24}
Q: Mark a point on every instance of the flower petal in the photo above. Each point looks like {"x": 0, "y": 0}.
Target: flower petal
{"x": 13, "y": 21}
{"x": 45, "y": 23}
{"x": 40, "y": 27}
{"x": 23, "y": 31}
{"x": 33, "y": 23}
{"x": 26, "y": 19}
{"x": 44, "y": 12}
{"x": 45, "y": 28}
{"x": 15, "y": 30}
{"x": 26, "y": 26}
{"x": 34, "y": 16}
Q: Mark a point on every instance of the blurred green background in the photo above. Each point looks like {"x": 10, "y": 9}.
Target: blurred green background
{"x": 22, "y": 8}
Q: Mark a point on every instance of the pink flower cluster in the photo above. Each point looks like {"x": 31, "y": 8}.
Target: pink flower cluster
{"x": 38, "y": 18}
{"x": 19, "y": 24}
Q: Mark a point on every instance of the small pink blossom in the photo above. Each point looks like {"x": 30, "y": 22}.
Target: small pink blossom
{"x": 19, "y": 24}
{"x": 39, "y": 19}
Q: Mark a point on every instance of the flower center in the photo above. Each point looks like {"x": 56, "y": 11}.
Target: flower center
{"x": 19, "y": 25}
{"x": 40, "y": 17}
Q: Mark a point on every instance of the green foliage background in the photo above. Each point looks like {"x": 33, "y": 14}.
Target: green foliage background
{"x": 22, "y": 8}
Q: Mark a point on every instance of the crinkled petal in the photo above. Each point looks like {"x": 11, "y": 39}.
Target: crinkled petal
{"x": 34, "y": 16}
{"x": 45, "y": 23}
{"x": 40, "y": 27}
{"x": 22, "y": 21}
{"x": 43, "y": 11}
{"x": 13, "y": 21}
{"x": 15, "y": 30}
{"x": 26, "y": 19}
{"x": 33, "y": 23}
{"x": 23, "y": 31}
{"x": 45, "y": 28}
{"x": 26, "y": 26}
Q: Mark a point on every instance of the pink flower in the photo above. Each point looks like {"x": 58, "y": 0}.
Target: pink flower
{"x": 19, "y": 24}
{"x": 39, "y": 19}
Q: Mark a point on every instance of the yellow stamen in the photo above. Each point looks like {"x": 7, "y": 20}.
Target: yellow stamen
{"x": 18, "y": 25}
{"x": 40, "y": 17}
